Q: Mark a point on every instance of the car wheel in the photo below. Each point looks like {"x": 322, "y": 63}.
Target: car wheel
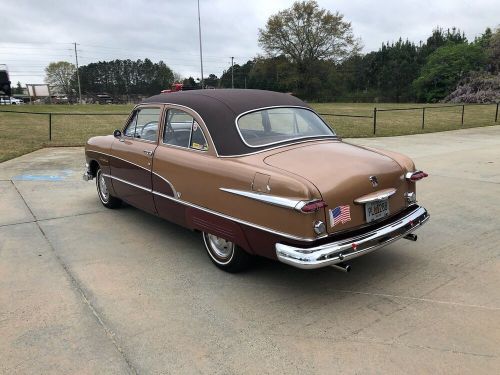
{"x": 102, "y": 191}
{"x": 226, "y": 255}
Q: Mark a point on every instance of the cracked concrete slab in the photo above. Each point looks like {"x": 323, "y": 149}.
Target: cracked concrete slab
{"x": 45, "y": 325}
{"x": 12, "y": 206}
{"x": 128, "y": 292}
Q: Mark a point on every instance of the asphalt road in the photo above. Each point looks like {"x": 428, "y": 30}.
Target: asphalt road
{"x": 84, "y": 289}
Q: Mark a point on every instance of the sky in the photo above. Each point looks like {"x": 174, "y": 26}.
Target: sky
{"x": 35, "y": 33}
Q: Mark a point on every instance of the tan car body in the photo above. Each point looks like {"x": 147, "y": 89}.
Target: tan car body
{"x": 185, "y": 185}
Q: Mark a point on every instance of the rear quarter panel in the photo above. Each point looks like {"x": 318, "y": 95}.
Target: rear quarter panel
{"x": 197, "y": 178}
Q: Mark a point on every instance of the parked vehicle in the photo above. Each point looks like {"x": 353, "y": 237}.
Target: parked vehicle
{"x": 11, "y": 100}
{"x": 258, "y": 173}
{"x": 102, "y": 98}
{"x": 178, "y": 87}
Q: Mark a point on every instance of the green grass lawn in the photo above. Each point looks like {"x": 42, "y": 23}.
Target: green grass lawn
{"x": 403, "y": 122}
{"x": 23, "y": 133}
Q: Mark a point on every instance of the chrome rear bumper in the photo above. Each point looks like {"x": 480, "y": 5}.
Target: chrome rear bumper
{"x": 349, "y": 248}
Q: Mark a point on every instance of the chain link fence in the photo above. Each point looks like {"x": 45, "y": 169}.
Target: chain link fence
{"x": 411, "y": 120}
{"x": 23, "y": 131}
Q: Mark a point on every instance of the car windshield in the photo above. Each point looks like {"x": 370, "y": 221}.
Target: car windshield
{"x": 275, "y": 125}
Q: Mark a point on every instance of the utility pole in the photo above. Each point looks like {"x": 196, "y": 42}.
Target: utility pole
{"x": 232, "y": 72}
{"x": 78, "y": 75}
{"x": 201, "y": 51}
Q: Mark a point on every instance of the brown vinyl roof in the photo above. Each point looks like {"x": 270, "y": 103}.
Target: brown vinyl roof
{"x": 219, "y": 109}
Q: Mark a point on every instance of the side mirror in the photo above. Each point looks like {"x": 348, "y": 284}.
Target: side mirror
{"x": 117, "y": 133}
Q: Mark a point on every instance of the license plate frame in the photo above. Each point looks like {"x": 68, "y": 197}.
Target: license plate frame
{"x": 376, "y": 210}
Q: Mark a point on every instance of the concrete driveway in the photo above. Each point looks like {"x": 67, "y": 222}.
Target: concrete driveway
{"x": 84, "y": 289}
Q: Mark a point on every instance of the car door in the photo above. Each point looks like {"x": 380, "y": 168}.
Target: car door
{"x": 132, "y": 159}
{"x": 179, "y": 162}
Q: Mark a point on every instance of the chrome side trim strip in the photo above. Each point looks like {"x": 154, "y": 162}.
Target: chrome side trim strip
{"x": 116, "y": 157}
{"x": 142, "y": 187}
{"x": 266, "y": 198}
{"x": 167, "y": 181}
{"x": 128, "y": 182}
{"x": 376, "y": 196}
{"x": 340, "y": 251}
{"x": 286, "y": 235}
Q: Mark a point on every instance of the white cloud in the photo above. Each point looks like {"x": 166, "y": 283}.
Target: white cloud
{"x": 37, "y": 32}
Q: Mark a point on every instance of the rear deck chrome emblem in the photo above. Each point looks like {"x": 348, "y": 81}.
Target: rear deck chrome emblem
{"x": 374, "y": 181}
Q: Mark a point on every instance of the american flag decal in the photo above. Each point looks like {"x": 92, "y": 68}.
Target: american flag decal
{"x": 340, "y": 214}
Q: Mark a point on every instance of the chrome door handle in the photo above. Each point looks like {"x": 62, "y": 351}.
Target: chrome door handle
{"x": 148, "y": 153}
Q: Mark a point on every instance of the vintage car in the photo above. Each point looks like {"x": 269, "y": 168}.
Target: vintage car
{"x": 258, "y": 173}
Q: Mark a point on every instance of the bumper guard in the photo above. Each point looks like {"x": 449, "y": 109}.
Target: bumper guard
{"x": 87, "y": 175}
{"x": 340, "y": 251}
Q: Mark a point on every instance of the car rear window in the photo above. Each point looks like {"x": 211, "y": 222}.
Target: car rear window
{"x": 275, "y": 125}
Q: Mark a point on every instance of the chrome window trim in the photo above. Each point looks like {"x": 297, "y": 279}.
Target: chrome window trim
{"x": 138, "y": 139}
{"x": 286, "y": 140}
{"x": 280, "y": 146}
{"x": 199, "y": 120}
{"x": 183, "y": 148}
{"x": 190, "y": 134}
{"x": 140, "y": 106}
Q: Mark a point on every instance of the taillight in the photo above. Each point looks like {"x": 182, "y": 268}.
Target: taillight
{"x": 311, "y": 206}
{"x": 415, "y": 176}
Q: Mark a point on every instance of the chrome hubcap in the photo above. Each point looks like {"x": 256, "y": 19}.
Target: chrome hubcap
{"x": 221, "y": 247}
{"x": 103, "y": 189}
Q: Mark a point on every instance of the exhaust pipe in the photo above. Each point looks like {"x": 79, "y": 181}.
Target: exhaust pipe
{"x": 342, "y": 267}
{"x": 411, "y": 237}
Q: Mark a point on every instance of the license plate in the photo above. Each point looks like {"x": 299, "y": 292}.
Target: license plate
{"x": 376, "y": 210}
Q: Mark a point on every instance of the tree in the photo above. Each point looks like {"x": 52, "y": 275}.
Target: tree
{"x": 305, "y": 34}
{"x": 190, "y": 82}
{"x": 177, "y": 77}
{"x": 18, "y": 90}
{"x": 484, "y": 39}
{"x": 126, "y": 77}
{"x": 439, "y": 38}
{"x": 445, "y": 67}
{"x": 493, "y": 51}
{"x": 211, "y": 81}
{"x": 60, "y": 75}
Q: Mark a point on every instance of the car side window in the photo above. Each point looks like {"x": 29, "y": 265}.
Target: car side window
{"x": 130, "y": 129}
{"x": 144, "y": 124}
{"x": 198, "y": 140}
{"x": 182, "y": 130}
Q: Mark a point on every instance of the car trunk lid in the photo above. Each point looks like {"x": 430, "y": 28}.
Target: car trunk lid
{"x": 343, "y": 173}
